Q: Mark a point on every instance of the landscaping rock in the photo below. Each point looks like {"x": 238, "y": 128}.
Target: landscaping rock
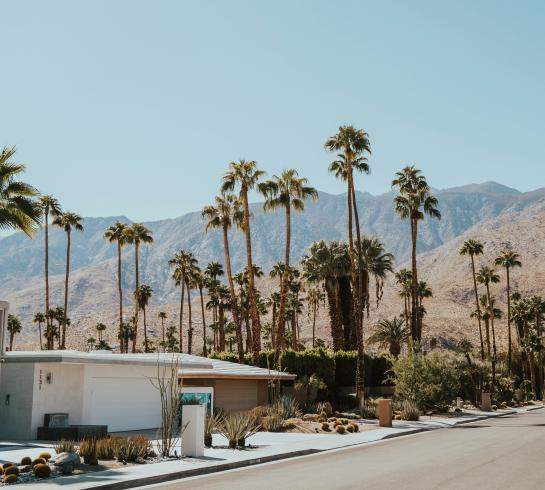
{"x": 140, "y": 460}
{"x": 66, "y": 462}
{"x": 311, "y": 417}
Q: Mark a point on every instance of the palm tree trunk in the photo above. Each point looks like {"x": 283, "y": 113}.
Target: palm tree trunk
{"x": 145, "y": 331}
{"x": 181, "y": 326}
{"x": 477, "y": 305}
{"x": 491, "y": 314}
{"x": 249, "y": 342}
{"x": 66, "y": 289}
{"x": 203, "y": 324}
{"x": 119, "y": 288}
{"x": 189, "y": 321}
{"x": 509, "y": 345}
{"x": 11, "y": 335}
{"x": 40, "y": 332}
{"x": 414, "y": 290}
{"x": 221, "y": 327}
{"x": 163, "y": 330}
{"x": 48, "y": 335}
{"x": 314, "y": 326}
{"x": 256, "y": 327}
{"x": 137, "y": 284}
{"x": 234, "y": 305}
{"x": 281, "y": 318}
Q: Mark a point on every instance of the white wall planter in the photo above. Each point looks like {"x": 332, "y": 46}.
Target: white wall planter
{"x": 193, "y": 435}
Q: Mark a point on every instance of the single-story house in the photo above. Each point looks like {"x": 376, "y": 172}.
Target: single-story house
{"x": 104, "y": 388}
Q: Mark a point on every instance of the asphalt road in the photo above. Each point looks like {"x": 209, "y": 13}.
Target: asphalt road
{"x": 507, "y": 452}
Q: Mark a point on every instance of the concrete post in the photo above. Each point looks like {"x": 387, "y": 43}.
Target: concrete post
{"x": 486, "y": 404}
{"x": 385, "y": 412}
{"x": 193, "y": 435}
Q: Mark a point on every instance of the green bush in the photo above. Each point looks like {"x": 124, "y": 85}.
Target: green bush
{"x": 430, "y": 381}
{"x": 41, "y": 470}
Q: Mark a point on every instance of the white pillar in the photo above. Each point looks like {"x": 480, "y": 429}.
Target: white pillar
{"x": 193, "y": 435}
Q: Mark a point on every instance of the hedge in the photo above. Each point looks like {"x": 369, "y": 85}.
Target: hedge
{"x": 335, "y": 368}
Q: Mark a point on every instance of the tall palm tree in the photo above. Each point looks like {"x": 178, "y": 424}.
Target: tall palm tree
{"x": 413, "y": 203}
{"x": 392, "y": 334}
{"x": 117, "y": 233}
{"x": 287, "y": 191}
{"x": 353, "y": 144}
{"x": 315, "y": 296}
{"x": 185, "y": 266}
{"x": 162, "y": 316}
{"x": 14, "y": 327}
{"x": 68, "y": 222}
{"x": 100, "y": 328}
{"x": 508, "y": 259}
{"x": 487, "y": 275}
{"x": 403, "y": 278}
{"x": 18, "y": 209}
{"x": 39, "y": 318}
{"x": 137, "y": 234}
{"x": 246, "y": 176}
{"x": 472, "y": 248}
{"x": 142, "y": 297}
{"x": 49, "y": 206}
{"x": 225, "y": 213}
{"x": 199, "y": 281}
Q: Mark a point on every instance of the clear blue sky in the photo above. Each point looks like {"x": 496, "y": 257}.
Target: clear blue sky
{"x": 136, "y": 108}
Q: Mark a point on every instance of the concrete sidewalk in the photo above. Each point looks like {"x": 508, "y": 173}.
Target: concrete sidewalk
{"x": 266, "y": 447}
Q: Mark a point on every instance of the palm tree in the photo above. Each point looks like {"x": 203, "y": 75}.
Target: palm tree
{"x": 287, "y": 191}
{"x": 472, "y": 248}
{"x": 18, "y": 209}
{"x": 315, "y": 296}
{"x": 91, "y": 342}
{"x": 39, "y": 318}
{"x": 142, "y": 297}
{"x": 487, "y": 275}
{"x": 118, "y": 233}
{"x": 225, "y": 213}
{"x": 353, "y": 143}
{"x": 391, "y": 334}
{"x": 508, "y": 259}
{"x": 200, "y": 281}
{"x": 162, "y": 316}
{"x": 100, "y": 328}
{"x": 67, "y": 221}
{"x": 137, "y": 234}
{"x": 49, "y": 206}
{"x": 403, "y": 278}
{"x": 14, "y": 327}
{"x": 376, "y": 262}
{"x": 185, "y": 266}
{"x": 414, "y": 202}
{"x": 246, "y": 175}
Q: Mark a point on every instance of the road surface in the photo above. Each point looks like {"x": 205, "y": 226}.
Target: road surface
{"x": 502, "y": 453}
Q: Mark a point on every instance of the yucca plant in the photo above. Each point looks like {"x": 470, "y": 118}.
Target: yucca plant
{"x": 369, "y": 409}
{"x": 287, "y": 406}
{"x": 212, "y": 424}
{"x": 237, "y": 427}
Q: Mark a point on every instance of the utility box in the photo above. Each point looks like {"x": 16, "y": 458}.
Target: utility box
{"x": 193, "y": 434}
{"x": 385, "y": 412}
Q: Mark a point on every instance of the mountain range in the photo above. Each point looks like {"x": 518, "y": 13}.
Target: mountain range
{"x": 497, "y": 214}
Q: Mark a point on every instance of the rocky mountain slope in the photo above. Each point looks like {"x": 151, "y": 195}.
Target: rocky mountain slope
{"x": 490, "y": 211}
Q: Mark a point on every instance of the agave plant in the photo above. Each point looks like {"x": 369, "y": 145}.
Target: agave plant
{"x": 212, "y": 423}
{"x": 237, "y": 427}
{"x": 287, "y": 406}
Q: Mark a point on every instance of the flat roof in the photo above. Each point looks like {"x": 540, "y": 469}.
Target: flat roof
{"x": 191, "y": 366}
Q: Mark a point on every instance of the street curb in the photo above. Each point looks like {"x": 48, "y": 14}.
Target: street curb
{"x": 177, "y": 475}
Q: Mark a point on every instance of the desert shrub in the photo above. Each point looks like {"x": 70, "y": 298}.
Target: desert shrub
{"x": 11, "y": 470}
{"x": 41, "y": 470}
{"x": 38, "y": 461}
{"x": 65, "y": 446}
{"x": 341, "y": 429}
{"x": 430, "y": 381}
{"x": 106, "y": 447}
{"x": 129, "y": 449}
{"x": 409, "y": 411}
{"x": 88, "y": 451}
{"x": 273, "y": 422}
{"x": 10, "y": 479}
{"x": 45, "y": 455}
{"x": 237, "y": 427}
{"x": 369, "y": 410}
{"x": 212, "y": 423}
{"x": 26, "y": 461}
{"x": 287, "y": 406}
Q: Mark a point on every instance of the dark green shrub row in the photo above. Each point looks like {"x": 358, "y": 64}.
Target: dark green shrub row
{"x": 335, "y": 368}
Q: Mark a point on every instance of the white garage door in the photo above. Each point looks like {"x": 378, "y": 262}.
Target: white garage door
{"x": 124, "y": 403}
